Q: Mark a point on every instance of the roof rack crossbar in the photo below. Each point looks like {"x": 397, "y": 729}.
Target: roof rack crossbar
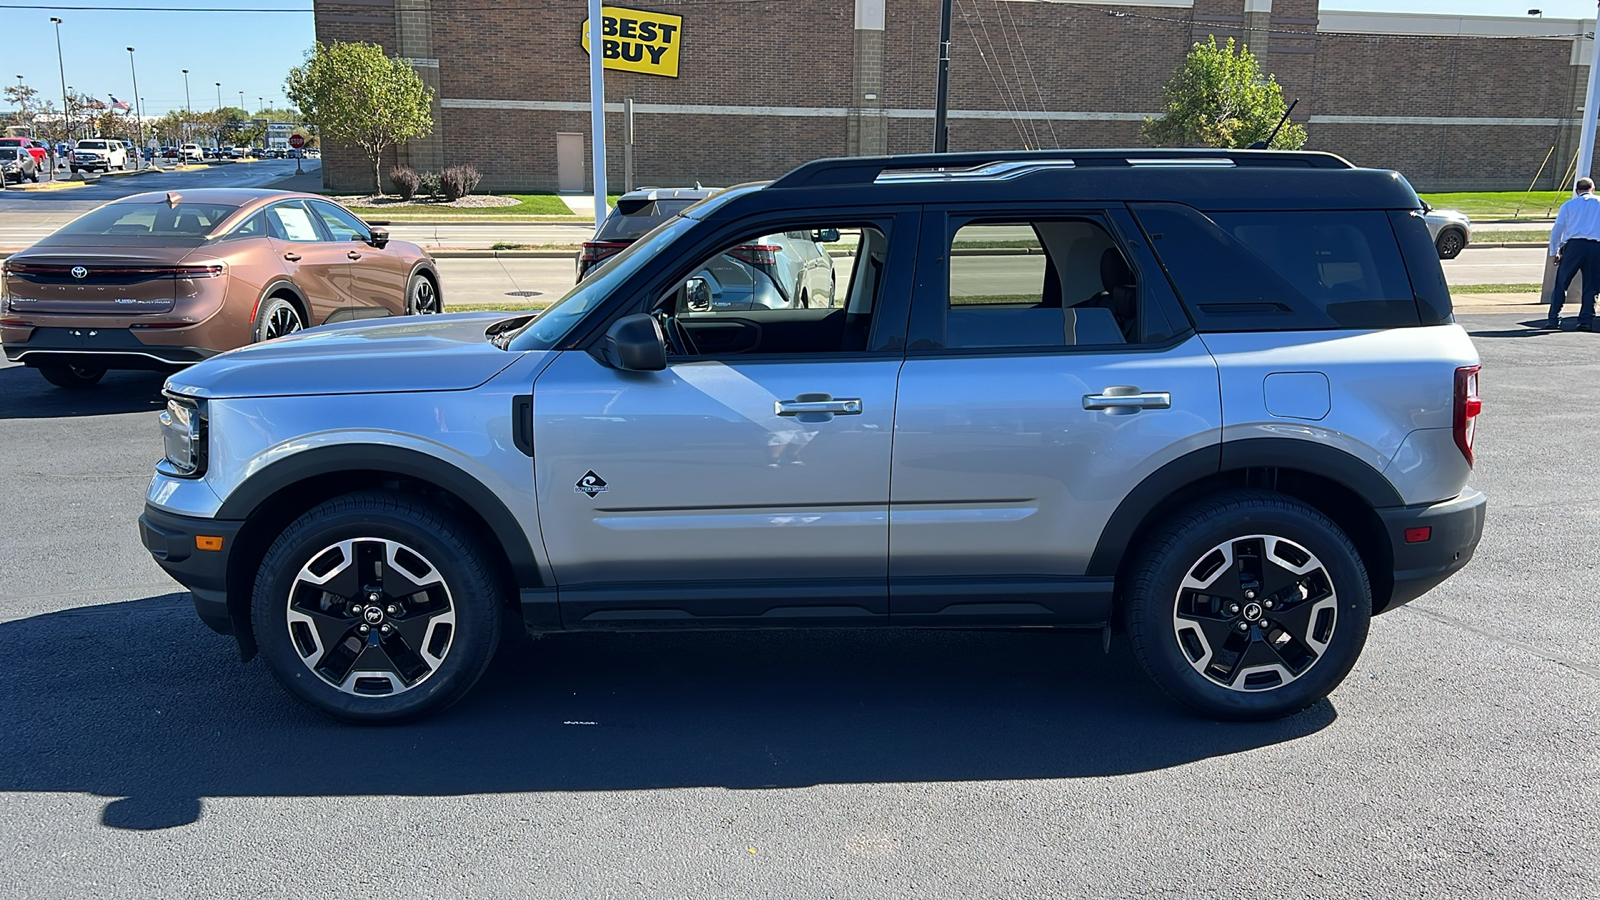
{"x": 867, "y": 169}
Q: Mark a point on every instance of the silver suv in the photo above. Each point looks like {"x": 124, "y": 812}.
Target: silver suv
{"x": 1215, "y": 399}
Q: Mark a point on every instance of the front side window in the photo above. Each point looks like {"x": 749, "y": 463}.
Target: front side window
{"x": 341, "y": 224}
{"x": 1039, "y": 284}
{"x": 292, "y": 222}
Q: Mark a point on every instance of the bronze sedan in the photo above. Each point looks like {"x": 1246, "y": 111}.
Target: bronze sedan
{"x": 162, "y": 280}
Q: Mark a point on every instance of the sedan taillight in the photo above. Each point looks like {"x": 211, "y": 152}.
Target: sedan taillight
{"x": 1467, "y": 408}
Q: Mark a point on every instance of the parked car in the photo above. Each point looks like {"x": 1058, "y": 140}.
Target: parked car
{"x": 101, "y": 154}
{"x": 162, "y": 280}
{"x": 192, "y": 153}
{"x": 171, "y": 153}
{"x": 776, "y": 271}
{"x": 257, "y": 152}
{"x": 1223, "y": 406}
{"x": 16, "y": 163}
{"x": 36, "y": 149}
{"x": 1451, "y": 230}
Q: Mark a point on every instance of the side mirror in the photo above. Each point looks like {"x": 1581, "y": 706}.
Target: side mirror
{"x": 825, "y": 235}
{"x": 635, "y": 344}
{"x": 697, "y": 295}
{"x": 380, "y": 236}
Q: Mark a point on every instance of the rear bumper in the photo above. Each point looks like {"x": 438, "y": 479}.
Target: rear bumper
{"x": 171, "y": 540}
{"x": 111, "y": 348}
{"x": 1455, "y": 527}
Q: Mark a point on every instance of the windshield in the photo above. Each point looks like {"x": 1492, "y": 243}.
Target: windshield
{"x": 551, "y": 327}
{"x": 91, "y": 145}
{"x": 10, "y": 153}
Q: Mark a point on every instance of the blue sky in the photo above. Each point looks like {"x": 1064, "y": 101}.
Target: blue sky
{"x": 251, "y": 52}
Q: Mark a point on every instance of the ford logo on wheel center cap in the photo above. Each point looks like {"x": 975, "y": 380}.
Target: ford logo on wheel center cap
{"x": 79, "y": 272}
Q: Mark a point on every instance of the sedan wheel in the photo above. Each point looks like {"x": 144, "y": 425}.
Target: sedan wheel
{"x": 1249, "y": 606}
{"x": 66, "y": 375}
{"x": 276, "y": 318}
{"x": 422, "y": 298}
{"x": 377, "y": 607}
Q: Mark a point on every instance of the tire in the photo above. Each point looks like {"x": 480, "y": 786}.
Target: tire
{"x": 428, "y": 640}
{"x": 805, "y": 300}
{"x": 276, "y": 318}
{"x": 422, "y": 296}
{"x": 35, "y": 177}
{"x": 71, "y": 377}
{"x": 1450, "y": 244}
{"x": 1191, "y": 590}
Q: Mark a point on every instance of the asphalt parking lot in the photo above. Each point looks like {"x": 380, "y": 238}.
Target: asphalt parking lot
{"x": 138, "y": 758}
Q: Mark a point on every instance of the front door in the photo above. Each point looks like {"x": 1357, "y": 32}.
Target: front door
{"x": 748, "y": 482}
{"x": 377, "y": 278}
{"x": 569, "y": 161}
{"x": 1050, "y": 374}
{"x": 318, "y": 267}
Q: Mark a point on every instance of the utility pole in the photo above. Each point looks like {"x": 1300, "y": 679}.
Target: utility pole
{"x": 941, "y": 100}
{"x": 138, "y": 113}
{"x": 627, "y": 144}
{"x": 188, "y": 107}
{"x": 597, "y": 112}
{"x": 1586, "y": 139}
{"x": 66, "y": 120}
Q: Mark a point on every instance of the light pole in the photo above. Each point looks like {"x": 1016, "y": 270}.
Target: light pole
{"x": 1586, "y": 138}
{"x": 66, "y": 121}
{"x": 188, "y": 107}
{"x": 216, "y": 137}
{"x": 138, "y": 110}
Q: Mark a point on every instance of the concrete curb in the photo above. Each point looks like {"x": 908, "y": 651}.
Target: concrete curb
{"x": 472, "y": 253}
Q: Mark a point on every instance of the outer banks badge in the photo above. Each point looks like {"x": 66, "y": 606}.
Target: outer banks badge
{"x": 590, "y": 484}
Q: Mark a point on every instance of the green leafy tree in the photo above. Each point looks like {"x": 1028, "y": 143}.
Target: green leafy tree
{"x": 26, "y": 101}
{"x": 1219, "y": 98}
{"x": 354, "y": 94}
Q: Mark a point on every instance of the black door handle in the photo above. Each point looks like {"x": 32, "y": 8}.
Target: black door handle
{"x": 292, "y": 257}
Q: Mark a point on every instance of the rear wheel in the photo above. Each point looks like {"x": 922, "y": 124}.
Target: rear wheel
{"x": 276, "y": 318}
{"x": 67, "y": 375}
{"x": 1249, "y": 606}
{"x": 35, "y": 175}
{"x": 377, "y": 607}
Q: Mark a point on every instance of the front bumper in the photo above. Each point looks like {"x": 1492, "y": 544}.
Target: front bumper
{"x": 171, "y": 540}
{"x": 1455, "y": 527}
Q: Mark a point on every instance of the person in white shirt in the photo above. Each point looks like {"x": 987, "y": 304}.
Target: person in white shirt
{"x": 1575, "y": 247}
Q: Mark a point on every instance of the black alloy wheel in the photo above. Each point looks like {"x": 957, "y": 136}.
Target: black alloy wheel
{"x": 71, "y": 376}
{"x": 276, "y": 318}
{"x": 1249, "y": 606}
{"x": 377, "y": 607}
{"x": 1450, "y": 244}
{"x": 422, "y": 298}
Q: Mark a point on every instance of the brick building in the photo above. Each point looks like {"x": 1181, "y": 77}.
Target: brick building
{"x": 1454, "y": 102}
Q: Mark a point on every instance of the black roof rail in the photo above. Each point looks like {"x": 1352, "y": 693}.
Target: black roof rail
{"x": 866, "y": 169}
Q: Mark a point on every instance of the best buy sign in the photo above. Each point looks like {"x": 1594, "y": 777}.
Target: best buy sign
{"x": 637, "y": 41}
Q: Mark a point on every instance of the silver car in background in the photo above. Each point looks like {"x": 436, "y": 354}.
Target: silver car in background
{"x": 1451, "y": 230}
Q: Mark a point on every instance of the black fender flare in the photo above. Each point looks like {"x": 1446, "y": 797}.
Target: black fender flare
{"x": 244, "y": 500}
{"x": 1230, "y": 456}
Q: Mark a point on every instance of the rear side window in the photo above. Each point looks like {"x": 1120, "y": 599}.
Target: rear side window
{"x": 1283, "y": 271}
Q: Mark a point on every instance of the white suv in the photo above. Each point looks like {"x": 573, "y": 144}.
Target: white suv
{"x": 103, "y": 154}
{"x": 192, "y": 152}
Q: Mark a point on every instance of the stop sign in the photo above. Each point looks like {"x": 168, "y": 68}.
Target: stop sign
{"x": 297, "y": 141}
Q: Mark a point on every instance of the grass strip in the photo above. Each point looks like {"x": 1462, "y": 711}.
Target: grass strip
{"x": 1501, "y": 288}
{"x": 1508, "y": 237}
{"x": 1501, "y": 204}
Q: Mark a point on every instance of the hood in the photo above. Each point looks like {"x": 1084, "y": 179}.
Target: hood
{"x": 407, "y": 354}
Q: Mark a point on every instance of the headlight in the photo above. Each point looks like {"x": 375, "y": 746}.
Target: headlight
{"x": 183, "y": 432}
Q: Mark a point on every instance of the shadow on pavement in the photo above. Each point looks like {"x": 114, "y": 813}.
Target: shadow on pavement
{"x": 28, "y": 396}
{"x": 137, "y": 702}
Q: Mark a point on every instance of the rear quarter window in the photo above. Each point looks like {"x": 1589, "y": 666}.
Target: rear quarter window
{"x": 1283, "y": 271}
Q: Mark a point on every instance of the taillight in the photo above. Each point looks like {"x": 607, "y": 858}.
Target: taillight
{"x": 759, "y": 255}
{"x": 1467, "y": 406}
{"x": 596, "y": 252}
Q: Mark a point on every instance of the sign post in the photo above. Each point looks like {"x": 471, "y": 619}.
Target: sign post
{"x": 297, "y": 141}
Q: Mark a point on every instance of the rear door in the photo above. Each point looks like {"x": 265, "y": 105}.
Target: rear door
{"x": 316, "y": 265}
{"x": 1049, "y": 372}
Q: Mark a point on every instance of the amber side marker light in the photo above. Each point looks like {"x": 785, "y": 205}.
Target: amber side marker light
{"x": 207, "y": 542}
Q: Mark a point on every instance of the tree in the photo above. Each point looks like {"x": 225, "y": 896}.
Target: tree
{"x": 25, "y": 99}
{"x": 353, "y": 93}
{"x": 1219, "y": 98}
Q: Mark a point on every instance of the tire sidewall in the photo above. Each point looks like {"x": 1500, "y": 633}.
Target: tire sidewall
{"x": 258, "y": 331}
{"x": 1152, "y": 602}
{"x": 477, "y": 628}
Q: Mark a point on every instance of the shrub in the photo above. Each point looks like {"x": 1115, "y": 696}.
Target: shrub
{"x": 406, "y": 180}
{"x": 428, "y": 184}
{"x": 459, "y": 181}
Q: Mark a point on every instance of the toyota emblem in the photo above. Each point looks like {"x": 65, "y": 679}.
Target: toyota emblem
{"x": 80, "y": 272}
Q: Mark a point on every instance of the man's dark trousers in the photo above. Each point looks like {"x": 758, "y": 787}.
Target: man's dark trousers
{"x": 1577, "y": 255}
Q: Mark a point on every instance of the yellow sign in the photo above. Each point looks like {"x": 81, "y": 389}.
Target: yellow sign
{"x": 637, "y": 41}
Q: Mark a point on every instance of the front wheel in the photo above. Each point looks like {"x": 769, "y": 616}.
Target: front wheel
{"x": 422, "y": 298}
{"x": 72, "y": 377}
{"x": 377, "y": 607}
{"x": 1249, "y": 606}
{"x": 1450, "y": 244}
